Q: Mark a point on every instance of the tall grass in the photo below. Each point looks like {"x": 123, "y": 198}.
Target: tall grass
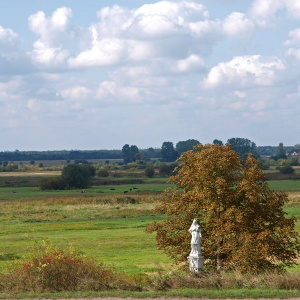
{"x": 49, "y": 268}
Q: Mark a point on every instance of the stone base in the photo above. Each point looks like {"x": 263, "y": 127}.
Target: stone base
{"x": 196, "y": 263}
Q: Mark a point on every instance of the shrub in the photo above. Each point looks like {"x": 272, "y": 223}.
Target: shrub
{"x": 286, "y": 170}
{"x": 54, "y": 269}
{"x": 53, "y": 183}
{"x": 166, "y": 169}
{"x": 102, "y": 173}
{"x": 149, "y": 172}
{"x": 81, "y": 161}
{"x": 293, "y": 161}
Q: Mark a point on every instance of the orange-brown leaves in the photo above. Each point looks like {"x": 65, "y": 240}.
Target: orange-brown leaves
{"x": 243, "y": 222}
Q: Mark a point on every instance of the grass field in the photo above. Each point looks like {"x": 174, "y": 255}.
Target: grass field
{"x": 284, "y": 185}
{"x": 108, "y": 227}
{"x": 11, "y": 193}
{"x": 103, "y": 222}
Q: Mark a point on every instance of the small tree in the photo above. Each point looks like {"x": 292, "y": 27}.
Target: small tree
{"x": 183, "y": 146}
{"x": 281, "y": 151}
{"x": 129, "y": 153}
{"x": 218, "y": 142}
{"x": 168, "y": 152}
{"x": 77, "y": 176}
{"x": 244, "y": 225}
{"x": 149, "y": 172}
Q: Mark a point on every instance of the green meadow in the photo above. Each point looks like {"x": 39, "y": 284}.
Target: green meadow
{"x": 109, "y": 227}
{"x": 102, "y": 222}
{"x": 105, "y": 222}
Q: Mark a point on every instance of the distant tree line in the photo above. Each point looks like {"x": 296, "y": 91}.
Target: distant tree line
{"x": 131, "y": 153}
{"x": 59, "y": 155}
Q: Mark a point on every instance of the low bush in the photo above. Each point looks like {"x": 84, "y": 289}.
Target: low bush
{"x": 53, "y": 183}
{"x": 102, "y": 173}
{"x": 53, "y": 269}
{"x": 149, "y": 172}
{"x": 286, "y": 170}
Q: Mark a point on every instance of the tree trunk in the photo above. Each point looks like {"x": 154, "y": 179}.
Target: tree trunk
{"x": 219, "y": 265}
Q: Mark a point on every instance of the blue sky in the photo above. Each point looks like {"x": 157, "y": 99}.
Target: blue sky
{"x": 100, "y": 74}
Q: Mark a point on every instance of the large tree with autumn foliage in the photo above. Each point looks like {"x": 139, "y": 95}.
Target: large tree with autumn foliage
{"x": 243, "y": 223}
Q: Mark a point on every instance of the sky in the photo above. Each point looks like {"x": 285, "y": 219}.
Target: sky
{"x": 96, "y": 74}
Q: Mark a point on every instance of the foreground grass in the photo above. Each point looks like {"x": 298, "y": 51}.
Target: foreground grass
{"x": 185, "y": 292}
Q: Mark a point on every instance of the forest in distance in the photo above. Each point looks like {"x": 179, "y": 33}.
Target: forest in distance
{"x": 241, "y": 145}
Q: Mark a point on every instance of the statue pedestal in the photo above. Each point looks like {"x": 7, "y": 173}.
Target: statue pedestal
{"x": 196, "y": 263}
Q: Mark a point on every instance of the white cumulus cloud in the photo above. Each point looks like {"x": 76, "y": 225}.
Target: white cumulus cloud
{"x": 48, "y": 49}
{"x": 191, "y": 63}
{"x": 237, "y": 24}
{"x": 166, "y": 30}
{"x": 244, "y": 71}
{"x": 8, "y": 41}
{"x": 263, "y": 11}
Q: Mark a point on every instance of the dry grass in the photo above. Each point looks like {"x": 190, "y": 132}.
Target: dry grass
{"x": 294, "y": 197}
{"x": 234, "y": 280}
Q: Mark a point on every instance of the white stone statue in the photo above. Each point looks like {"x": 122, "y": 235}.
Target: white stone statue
{"x": 195, "y": 258}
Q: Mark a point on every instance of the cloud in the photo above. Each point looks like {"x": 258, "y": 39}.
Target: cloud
{"x": 112, "y": 92}
{"x": 244, "y": 71}
{"x": 143, "y": 75}
{"x": 46, "y": 55}
{"x": 240, "y": 94}
{"x": 294, "y": 42}
{"x": 33, "y": 105}
{"x": 13, "y": 60}
{"x": 163, "y": 30}
{"x": 237, "y": 24}
{"x": 10, "y": 90}
{"x": 9, "y": 41}
{"x": 48, "y": 49}
{"x": 51, "y": 29}
{"x": 263, "y": 11}
{"x": 109, "y": 51}
{"x": 75, "y": 93}
{"x": 191, "y": 63}
{"x": 293, "y": 8}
